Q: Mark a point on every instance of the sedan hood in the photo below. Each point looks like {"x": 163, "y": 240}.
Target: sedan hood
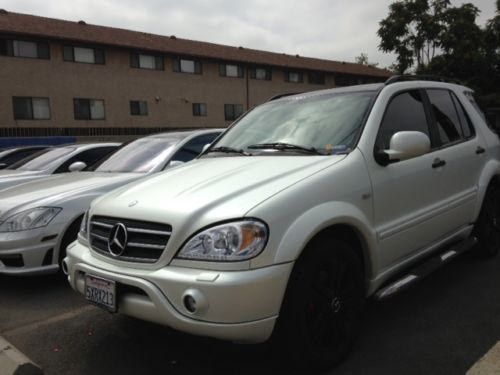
{"x": 210, "y": 189}
{"x": 55, "y": 190}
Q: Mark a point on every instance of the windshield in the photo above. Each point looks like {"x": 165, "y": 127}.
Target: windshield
{"x": 326, "y": 123}
{"x": 139, "y": 156}
{"x": 43, "y": 161}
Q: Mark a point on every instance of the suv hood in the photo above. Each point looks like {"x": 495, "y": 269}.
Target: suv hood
{"x": 55, "y": 190}
{"x": 210, "y": 189}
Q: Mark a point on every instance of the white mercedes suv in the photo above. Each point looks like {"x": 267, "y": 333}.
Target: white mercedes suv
{"x": 303, "y": 208}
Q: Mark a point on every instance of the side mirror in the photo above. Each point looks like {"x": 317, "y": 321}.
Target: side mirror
{"x": 77, "y": 166}
{"x": 405, "y": 145}
{"x": 3, "y": 165}
{"x": 174, "y": 163}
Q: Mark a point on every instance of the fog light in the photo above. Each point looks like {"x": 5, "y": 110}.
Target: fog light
{"x": 194, "y": 302}
{"x": 190, "y": 304}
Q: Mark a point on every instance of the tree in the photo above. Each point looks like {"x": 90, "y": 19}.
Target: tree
{"x": 363, "y": 60}
{"x": 411, "y": 30}
{"x": 433, "y": 37}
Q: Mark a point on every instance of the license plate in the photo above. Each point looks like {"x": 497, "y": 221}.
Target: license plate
{"x": 101, "y": 292}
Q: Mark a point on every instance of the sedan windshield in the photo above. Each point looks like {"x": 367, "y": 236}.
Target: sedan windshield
{"x": 306, "y": 125}
{"x": 43, "y": 161}
{"x": 139, "y": 156}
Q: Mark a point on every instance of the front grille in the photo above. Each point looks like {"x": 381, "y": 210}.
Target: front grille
{"x": 145, "y": 240}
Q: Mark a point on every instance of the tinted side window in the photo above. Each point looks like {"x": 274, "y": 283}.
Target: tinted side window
{"x": 194, "y": 147}
{"x": 467, "y": 128}
{"x": 89, "y": 157}
{"x": 447, "y": 122}
{"x": 405, "y": 112}
{"x": 18, "y": 155}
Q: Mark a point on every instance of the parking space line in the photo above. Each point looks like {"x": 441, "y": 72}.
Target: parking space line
{"x": 54, "y": 319}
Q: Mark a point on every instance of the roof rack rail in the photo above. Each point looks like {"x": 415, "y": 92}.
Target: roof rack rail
{"x": 279, "y": 96}
{"x": 420, "y": 77}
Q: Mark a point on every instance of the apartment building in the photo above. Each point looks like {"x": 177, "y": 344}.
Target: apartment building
{"x": 72, "y": 78}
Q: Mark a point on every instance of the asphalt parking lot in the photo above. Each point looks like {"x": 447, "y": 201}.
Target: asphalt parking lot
{"x": 441, "y": 326}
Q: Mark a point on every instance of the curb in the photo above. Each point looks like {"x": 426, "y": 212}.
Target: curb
{"x": 489, "y": 364}
{"x": 13, "y": 362}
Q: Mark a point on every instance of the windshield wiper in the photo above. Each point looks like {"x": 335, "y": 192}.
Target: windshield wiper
{"x": 282, "y": 146}
{"x": 228, "y": 150}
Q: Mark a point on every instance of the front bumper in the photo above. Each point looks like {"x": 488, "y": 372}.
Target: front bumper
{"x": 30, "y": 252}
{"x": 233, "y": 305}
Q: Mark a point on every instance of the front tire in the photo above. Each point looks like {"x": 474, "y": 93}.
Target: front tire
{"x": 322, "y": 309}
{"x": 487, "y": 228}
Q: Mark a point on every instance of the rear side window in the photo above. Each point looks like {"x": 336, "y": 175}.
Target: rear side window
{"x": 405, "y": 112}
{"x": 445, "y": 115}
{"x": 467, "y": 128}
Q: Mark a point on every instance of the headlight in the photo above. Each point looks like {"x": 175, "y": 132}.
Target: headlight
{"x": 229, "y": 242}
{"x": 84, "y": 226}
{"x": 29, "y": 219}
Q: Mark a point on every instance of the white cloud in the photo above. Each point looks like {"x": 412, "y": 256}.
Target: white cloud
{"x": 331, "y": 29}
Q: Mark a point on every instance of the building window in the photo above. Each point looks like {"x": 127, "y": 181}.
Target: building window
{"x": 138, "y": 108}
{"x": 22, "y": 48}
{"x": 199, "y": 109}
{"x": 83, "y": 55}
{"x": 229, "y": 70}
{"x": 261, "y": 73}
{"x": 145, "y": 61}
{"x": 294, "y": 76}
{"x": 28, "y": 108}
{"x": 232, "y": 111}
{"x": 346, "y": 80}
{"x": 88, "y": 109}
{"x": 317, "y": 78}
{"x": 187, "y": 66}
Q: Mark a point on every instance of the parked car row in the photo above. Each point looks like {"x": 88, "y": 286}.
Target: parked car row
{"x": 283, "y": 226}
{"x": 42, "y": 207}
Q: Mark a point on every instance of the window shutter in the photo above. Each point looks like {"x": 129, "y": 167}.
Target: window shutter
{"x": 43, "y": 51}
{"x": 176, "y": 65}
{"x": 159, "y": 63}
{"x": 9, "y": 47}
{"x": 99, "y": 56}
{"x": 81, "y": 109}
{"x": 134, "y": 60}
{"x": 287, "y": 76}
{"x": 22, "y": 108}
{"x": 222, "y": 70}
{"x": 134, "y": 107}
{"x": 197, "y": 67}
{"x": 240, "y": 71}
{"x": 253, "y": 73}
{"x": 68, "y": 53}
{"x": 269, "y": 75}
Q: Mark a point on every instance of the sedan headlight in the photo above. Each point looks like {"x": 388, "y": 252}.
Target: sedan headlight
{"x": 29, "y": 219}
{"x": 229, "y": 242}
{"x": 84, "y": 226}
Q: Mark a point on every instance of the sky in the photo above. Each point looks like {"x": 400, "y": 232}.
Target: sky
{"x": 330, "y": 29}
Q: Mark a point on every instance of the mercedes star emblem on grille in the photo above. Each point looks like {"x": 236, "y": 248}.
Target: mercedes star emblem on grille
{"x": 117, "y": 239}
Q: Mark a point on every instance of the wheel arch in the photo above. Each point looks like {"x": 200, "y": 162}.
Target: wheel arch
{"x": 349, "y": 224}
{"x": 75, "y": 221}
{"x": 489, "y": 175}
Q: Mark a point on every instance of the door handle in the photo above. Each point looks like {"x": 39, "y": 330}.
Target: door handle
{"x": 480, "y": 150}
{"x": 438, "y": 163}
